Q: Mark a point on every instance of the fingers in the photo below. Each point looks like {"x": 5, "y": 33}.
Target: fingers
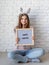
{"x": 17, "y": 40}
{"x": 33, "y": 38}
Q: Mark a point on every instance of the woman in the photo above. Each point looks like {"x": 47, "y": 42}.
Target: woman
{"x": 25, "y": 53}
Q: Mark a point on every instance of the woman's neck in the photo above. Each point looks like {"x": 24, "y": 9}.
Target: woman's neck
{"x": 23, "y": 26}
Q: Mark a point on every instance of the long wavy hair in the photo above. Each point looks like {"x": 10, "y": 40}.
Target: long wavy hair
{"x": 19, "y": 21}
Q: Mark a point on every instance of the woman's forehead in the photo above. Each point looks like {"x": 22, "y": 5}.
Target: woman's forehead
{"x": 24, "y": 16}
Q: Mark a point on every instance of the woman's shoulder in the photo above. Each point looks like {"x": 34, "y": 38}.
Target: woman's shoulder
{"x": 31, "y": 27}
{"x": 16, "y": 27}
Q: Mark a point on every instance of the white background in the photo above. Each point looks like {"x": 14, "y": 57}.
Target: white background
{"x": 39, "y": 19}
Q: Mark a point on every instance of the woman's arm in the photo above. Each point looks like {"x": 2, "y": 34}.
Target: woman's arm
{"x": 17, "y": 39}
{"x": 33, "y": 37}
{"x": 15, "y": 29}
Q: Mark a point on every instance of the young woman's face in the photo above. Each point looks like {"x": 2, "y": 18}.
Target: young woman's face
{"x": 24, "y": 20}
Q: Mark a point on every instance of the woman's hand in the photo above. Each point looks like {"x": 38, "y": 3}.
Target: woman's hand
{"x": 33, "y": 38}
{"x": 17, "y": 40}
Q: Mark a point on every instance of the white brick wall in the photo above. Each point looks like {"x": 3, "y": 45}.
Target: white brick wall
{"x": 39, "y": 19}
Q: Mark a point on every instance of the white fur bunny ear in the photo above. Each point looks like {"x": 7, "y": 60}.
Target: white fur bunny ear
{"x": 28, "y": 11}
{"x": 21, "y": 10}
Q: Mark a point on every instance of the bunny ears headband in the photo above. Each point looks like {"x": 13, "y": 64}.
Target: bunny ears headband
{"x": 28, "y": 11}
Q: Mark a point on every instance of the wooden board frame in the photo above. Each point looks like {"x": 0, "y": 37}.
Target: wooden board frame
{"x": 25, "y": 32}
